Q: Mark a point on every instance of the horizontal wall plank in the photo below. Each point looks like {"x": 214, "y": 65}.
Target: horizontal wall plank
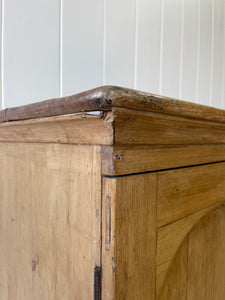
{"x": 185, "y": 191}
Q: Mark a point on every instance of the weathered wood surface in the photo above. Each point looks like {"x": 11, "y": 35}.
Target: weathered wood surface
{"x": 185, "y": 191}
{"x": 198, "y": 269}
{"x": 120, "y": 160}
{"x": 60, "y": 217}
{"x": 175, "y": 286}
{"x": 206, "y": 263}
{"x": 134, "y": 127}
{"x": 50, "y": 221}
{"x": 106, "y": 97}
{"x": 169, "y": 239}
{"x": 128, "y": 262}
{"x": 78, "y": 128}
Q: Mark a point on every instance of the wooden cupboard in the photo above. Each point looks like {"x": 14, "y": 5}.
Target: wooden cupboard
{"x": 112, "y": 194}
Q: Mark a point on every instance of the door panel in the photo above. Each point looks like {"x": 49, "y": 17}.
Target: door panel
{"x": 198, "y": 269}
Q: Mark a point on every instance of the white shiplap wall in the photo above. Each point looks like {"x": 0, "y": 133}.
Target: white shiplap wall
{"x": 52, "y": 48}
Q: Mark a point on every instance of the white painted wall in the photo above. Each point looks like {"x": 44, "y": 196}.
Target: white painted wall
{"x": 52, "y": 48}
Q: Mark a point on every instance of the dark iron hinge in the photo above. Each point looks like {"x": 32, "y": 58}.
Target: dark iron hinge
{"x": 97, "y": 283}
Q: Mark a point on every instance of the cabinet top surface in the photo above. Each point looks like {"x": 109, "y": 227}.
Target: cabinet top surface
{"x": 105, "y": 98}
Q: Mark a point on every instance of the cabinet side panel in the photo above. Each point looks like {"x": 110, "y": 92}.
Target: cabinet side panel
{"x": 133, "y": 237}
{"x": 49, "y": 221}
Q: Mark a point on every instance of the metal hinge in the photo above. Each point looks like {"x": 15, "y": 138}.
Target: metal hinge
{"x": 97, "y": 283}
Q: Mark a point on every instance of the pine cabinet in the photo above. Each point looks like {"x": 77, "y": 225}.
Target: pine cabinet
{"x": 112, "y": 194}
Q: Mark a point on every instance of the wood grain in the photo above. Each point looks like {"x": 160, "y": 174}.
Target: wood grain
{"x": 133, "y": 127}
{"x": 106, "y": 97}
{"x": 197, "y": 271}
{"x": 206, "y": 264}
{"x": 120, "y": 160}
{"x": 130, "y": 262}
{"x": 185, "y": 191}
{"x": 68, "y": 129}
{"x": 169, "y": 239}
{"x": 152, "y": 233}
{"x": 175, "y": 286}
{"x": 50, "y": 221}
{"x": 109, "y": 264}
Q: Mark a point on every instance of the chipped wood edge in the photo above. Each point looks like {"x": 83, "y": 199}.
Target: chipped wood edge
{"x": 106, "y": 97}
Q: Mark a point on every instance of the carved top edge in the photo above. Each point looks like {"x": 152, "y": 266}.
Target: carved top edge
{"x": 105, "y": 98}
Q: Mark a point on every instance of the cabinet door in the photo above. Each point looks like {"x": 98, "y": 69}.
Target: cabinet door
{"x": 191, "y": 233}
{"x": 163, "y": 235}
{"x": 129, "y": 237}
{"x": 198, "y": 268}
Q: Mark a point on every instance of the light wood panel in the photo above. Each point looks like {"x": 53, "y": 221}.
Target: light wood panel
{"x": 182, "y": 192}
{"x": 69, "y": 129}
{"x": 206, "y": 264}
{"x": 50, "y": 202}
{"x": 127, "y": 160}
{"x": 175, "y": 287}
{"x": 141, "y": 128}
{"x": 197, "y": 271}
{"x": 169, "y": 239}
{"x": 109, "y": 263}
{"x": 30, "y": 51}
{"x": 129, "y": 260}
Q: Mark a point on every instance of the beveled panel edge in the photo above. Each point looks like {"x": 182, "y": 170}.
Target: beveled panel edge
{"x": 104, "y": 98}
{"x": 79, "y": 128}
